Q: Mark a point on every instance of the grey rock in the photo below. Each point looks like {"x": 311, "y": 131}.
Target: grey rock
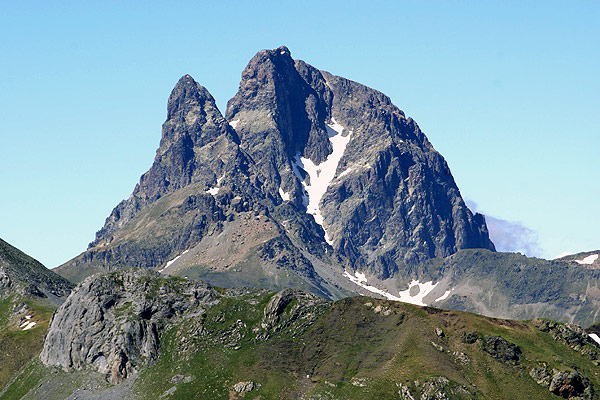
{"x": 461, "y": 358}
{"x": 25, "y": 276}
{"x": 541, "y": 375}
{"x": 398, "y": 181}
{"x": 112, "y": 322}
{"x": 470, "y": 337}
{"x": 434, "y": 389}
{"x": 243, "y": 387}
{"x": 302, "y": 310}
{"x": 404, "y": 392}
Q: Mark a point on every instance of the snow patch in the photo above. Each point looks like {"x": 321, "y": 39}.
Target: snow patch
{"x": 285, "y": 196}
{"x": 213, "y": 191}
{"x": 29, "y": 325}
{"x": 346, "y": 172}
{"x": 588, "y": 260}
{"x": 234, "y": 123}
{"x": 595, "y": 338}
{"x": 423, "y": 290}
{"x": 172, "y": 261}
{"x": 361, "y": 280}
{"x": 320, "y": 176}
{"x": 443, "y": 297}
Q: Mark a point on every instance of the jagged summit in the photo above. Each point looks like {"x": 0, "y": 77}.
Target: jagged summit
{"x": 278, "y": 106}
{"x": 307, "y": 175}
{"x": 282, "y": 112}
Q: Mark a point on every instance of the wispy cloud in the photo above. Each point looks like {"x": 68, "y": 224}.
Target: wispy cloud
{"x": 510, "y": 236}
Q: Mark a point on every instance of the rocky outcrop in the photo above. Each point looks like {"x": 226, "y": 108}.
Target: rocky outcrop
{"x": 572, "y": 335}
{"x": 566, "y": 384}
{"x": 298, "y": 304}
{"x": 570, "y": 385}
{"x": 113, "y": 322}
{"x": 501, "y": 349}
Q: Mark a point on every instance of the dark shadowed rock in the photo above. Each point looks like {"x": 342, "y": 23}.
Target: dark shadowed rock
{"x": 501, "y": 349}
{"x": 570, "y": 385}
{"x": 23, "y": 275}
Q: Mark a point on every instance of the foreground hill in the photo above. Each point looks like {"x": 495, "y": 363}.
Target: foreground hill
{"x": 133, "y": 334}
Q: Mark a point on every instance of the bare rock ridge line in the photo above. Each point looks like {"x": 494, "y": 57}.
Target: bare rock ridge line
{"x": 21, "y": 274}
{"x": 341, "y": 176}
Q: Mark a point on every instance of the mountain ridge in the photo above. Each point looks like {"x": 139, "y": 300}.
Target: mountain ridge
{"x": 317, "y": 182}
{"x": 283, "y": 111}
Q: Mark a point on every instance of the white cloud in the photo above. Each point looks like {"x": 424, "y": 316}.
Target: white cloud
{"x": 510, "y": 236}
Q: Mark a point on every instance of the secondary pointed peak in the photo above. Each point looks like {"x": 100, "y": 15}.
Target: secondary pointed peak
{"x": 187, "y": 92}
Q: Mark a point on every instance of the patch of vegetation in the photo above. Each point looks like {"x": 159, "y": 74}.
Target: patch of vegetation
{"x": 18, "y": 347}
{"x": 27, "y": 380}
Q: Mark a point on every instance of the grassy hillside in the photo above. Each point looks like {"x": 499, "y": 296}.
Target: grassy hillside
{"x": 355, "y": 348}
{"x": 18, "y": 346}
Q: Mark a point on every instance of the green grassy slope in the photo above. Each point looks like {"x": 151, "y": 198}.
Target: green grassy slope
{"x": 356, "y": 348}
{"x": 17, "y": 346}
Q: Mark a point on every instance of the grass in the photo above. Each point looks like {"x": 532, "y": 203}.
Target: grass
{"x": 348, "y": 351}
{"x": 18, "y": 347}
{"x": 351, "y": 345}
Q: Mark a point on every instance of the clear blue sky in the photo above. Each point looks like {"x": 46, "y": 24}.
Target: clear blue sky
{"x": 507, "y": 91}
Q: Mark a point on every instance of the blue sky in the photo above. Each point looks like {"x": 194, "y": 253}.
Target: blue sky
{"x": 507, "y": 91}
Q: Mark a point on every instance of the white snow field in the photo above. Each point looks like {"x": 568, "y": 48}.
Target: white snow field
{"x": 423, "y": 290}
{"x": 321, "y": 175}
{"x": 172, "y": 261}
{"x": 588, "y": 260}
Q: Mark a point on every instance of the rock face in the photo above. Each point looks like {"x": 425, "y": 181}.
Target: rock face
{"x": 570, "y": 385}
{"x": 338, "y": 171}
{"x": 501, "y": 349}
{"x": 197, "y": 146}
{"x": 391, "y": 200}
{"x": 23, "y": 275}
{"x": 112, "y": 322}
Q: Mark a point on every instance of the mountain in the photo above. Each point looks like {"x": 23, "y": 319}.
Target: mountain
{"x": 134, "y": 334}
{"x": 29, "y": 293}
{"x": 307, "y": 172}
{"x": 317, "y": 182}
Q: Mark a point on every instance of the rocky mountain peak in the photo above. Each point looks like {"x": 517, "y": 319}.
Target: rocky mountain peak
{"x": 192, "y": 111}
{"x": 274, "y": 104}
{"x": 198, "y": 146}
{"x": 342, "y": 177}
